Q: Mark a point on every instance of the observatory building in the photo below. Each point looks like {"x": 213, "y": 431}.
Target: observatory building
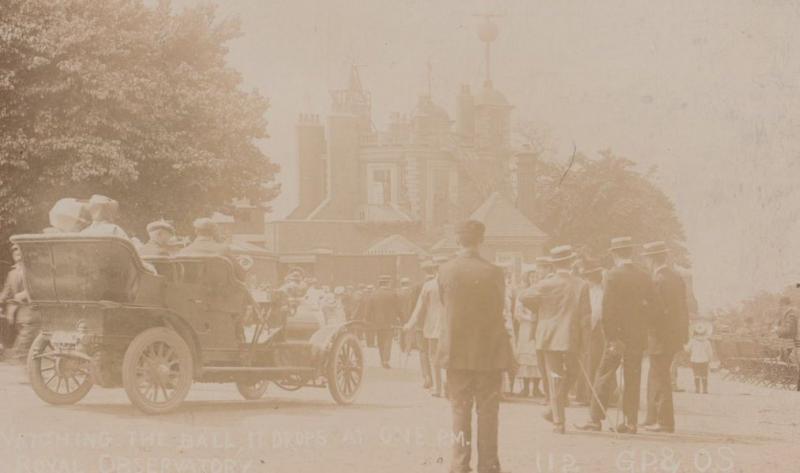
{"x": 399, "y": 191}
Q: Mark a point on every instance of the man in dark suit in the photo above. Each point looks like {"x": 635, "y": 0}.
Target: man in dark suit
{"x": 385, "y": 312}
{"x": 628, "y": 302}
{"x": 561, "y": 304}
{"x": 474, "y": 347}
{"x": 668, "y": 334}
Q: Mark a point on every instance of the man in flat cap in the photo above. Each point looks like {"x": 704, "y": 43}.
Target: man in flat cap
{"x": 384, "y": 313}
{"x": 561, "y": 303}
{"x": 161, "y": 233}
{"x": 474, "y": 347}
{"x": 629, "y": 301}
{"x": 668, "y": 334}
{"x": 103, "y": 211}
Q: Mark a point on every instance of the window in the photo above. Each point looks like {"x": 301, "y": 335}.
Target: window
{"x": 381, "y": 188}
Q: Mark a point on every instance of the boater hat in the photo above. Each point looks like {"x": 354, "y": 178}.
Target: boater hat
{"x": 620, "y": 243}
{"x": 543, "y": 261}
{"x": 592, "y": 270}
{"x": 562, "y": 253}
{"x": 654, "y": 248}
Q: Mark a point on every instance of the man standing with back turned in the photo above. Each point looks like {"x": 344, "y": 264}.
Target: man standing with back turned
{"x": 474, "y": 347}
{"x": 668, "y": 334}
{"x": 561, "y": 303}
{"x": 629, "y": 303}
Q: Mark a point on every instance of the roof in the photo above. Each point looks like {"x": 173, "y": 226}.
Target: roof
{"x": 503, "y": 220}
{"x": 395, "y": 245}
{"x": 384, "y": 213}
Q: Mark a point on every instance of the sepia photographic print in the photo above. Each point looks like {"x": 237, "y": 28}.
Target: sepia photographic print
{"x": 384, "y": 236}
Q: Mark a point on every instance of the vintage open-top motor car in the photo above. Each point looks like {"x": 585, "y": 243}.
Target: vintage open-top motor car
{"x": 155, "y": 326}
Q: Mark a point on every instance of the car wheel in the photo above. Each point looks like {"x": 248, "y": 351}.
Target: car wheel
{"x": 57, "y": 380}
{"x": 157, "y": 370}
{"x": 252, "y": 391}
{"x": 345, "y": 370}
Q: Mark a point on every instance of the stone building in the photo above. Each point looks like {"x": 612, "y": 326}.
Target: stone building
{"x": 401, "y": 189}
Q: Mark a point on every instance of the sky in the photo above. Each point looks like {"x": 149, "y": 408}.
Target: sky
{"x": 706, "y": 91}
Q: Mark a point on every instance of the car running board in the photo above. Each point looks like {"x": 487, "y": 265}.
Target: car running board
{"x": 288, "y": 370}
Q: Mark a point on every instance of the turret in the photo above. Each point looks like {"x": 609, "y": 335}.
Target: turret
{"x": 310, "y": 165}
{"x": 465, "y": 115}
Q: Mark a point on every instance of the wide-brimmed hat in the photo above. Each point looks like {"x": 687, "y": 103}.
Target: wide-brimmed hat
{"x": 101, "y": 206}
{"x": 620, "y": 243}
{"x": 654, "y": 248}
{"x": 702, "y": 327}
{"x": 699, "y": 329}
{"x": 562, "y": 253}
{"x": 160, "y": 225}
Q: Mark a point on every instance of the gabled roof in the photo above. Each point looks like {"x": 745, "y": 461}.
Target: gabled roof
{"x": 396, "y": 245}
{"x": 504, "y": 220}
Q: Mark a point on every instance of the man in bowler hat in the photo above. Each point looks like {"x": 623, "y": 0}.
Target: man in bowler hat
{"x": 474, "y": 347}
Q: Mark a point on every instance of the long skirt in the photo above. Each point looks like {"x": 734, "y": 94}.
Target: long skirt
{"x": 526, "y": 352}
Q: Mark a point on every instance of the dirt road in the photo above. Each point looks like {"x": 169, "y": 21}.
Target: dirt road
{"x": 394, "y": 427}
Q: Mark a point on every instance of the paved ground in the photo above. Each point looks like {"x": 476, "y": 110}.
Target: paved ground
{"x": 394, "y": 427}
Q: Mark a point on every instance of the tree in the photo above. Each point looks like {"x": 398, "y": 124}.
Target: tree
{"x": 135, "y": 102}
{"x": 590, "y": 201}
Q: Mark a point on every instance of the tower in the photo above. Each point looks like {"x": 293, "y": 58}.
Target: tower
{"x": 465, "y": 115}
{"x": 492, "y": 112}
{"x": 526, "y": 181}
{"x": 349, "y": 126}
{"x": 354, "y": 100}
{"x": 310, "y": 165}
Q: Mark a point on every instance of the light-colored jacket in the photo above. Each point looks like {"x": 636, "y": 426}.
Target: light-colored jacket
{"x": 562, "y": 306}
{"x": 428, "y": 310}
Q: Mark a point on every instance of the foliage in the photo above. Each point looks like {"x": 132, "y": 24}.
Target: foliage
{"x": 134, "y": 102}
{"x": 589, "y": 201}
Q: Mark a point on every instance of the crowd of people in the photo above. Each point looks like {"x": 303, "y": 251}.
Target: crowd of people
{"x": 570, "y": 324}
{"x": 565, "y": 325}
{"x": 19, "y": 324}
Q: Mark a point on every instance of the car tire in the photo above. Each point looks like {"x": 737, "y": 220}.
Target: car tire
{"x": 252, "y": 391}
{"x": 158, "y": 363}
{"x": 73, "y": 372}
{"x": 345, "y": 368}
